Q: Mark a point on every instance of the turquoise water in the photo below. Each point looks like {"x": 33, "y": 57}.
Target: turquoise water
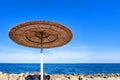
{"x": 62, "y": 68}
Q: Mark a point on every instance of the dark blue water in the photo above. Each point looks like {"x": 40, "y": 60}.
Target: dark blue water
{"x": 62, "y": 68}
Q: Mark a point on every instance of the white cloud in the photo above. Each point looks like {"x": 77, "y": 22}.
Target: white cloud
{"x": 70, "y": 55}
{"x": 11, "y": 55}
{"x": 79, "y": 47}
{"x": 64, "y": 57}
{"x": 82, "y": 56}
{"x": 83, "y": 47}
{"x": 19, "y": 57}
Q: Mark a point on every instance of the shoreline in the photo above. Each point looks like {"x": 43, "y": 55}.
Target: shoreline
{"x": 36, "y": 76}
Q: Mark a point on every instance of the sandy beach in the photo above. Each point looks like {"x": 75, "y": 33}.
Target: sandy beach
{"x": 35, "y": 76}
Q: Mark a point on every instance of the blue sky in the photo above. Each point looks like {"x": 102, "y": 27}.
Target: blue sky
{"x": 95, "y": 25}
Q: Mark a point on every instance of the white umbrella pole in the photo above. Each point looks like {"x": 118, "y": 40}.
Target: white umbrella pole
{"x": 41, "y": 60}
{"x": 41, "y": 57}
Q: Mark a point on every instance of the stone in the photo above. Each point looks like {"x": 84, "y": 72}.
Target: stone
{"x": 91, "y": 76}
{"x": 21, "y": 74}
{"x": 21, "y": 78}
{"x": 36, "y": 77}
{"x": 13, "y": 76}
{"x": 57, "y": 77}
{"x": 61, "y": 79}
{"x": 105, "y": 76}
{"x": 47, "y": 77}
{"x": 29, "y": 77}
{"x": 73, "y": 77}
{"x": 3, "y": 77}
{"x": 25, "y": 75}
{"x": 81, "y": 78}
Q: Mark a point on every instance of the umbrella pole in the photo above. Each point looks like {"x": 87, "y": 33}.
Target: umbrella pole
{"x": 41, "y": 58}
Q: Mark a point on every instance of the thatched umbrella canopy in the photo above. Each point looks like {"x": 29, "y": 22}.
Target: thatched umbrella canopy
{"x": 40, "y": 34}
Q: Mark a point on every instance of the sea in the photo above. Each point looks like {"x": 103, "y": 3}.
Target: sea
{"x": 62, "y": 68}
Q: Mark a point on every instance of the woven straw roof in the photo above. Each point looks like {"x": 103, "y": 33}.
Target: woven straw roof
{"x": 28, "y": 34}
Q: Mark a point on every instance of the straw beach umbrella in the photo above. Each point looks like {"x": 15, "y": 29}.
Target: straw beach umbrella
{"x": 40, "y": 34}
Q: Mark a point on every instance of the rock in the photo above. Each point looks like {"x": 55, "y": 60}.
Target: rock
{"x": 47, "y": 77}
{"x": 57, "y": 77}
{"x": 13, "y": 76}
{"x": 21, "y": 74}
{"x": 36, "y": 77}
{"x": 105, "y": 76}
{"x": 21, "y": 78}
{"x": 91, "y": 76}
{"x": 3, "y": 77}
{"x": 25, "y": 75}
{"x": 29, "y": 77}
{"x": 73, "y": 77}
{"x": 73, "y": 74}
{"x": 61, "y": 79}
{"x": 81, "y": 78}
{"x": 36, "y": 73}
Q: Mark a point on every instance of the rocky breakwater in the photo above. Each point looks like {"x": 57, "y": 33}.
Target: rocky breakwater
{"x": 36, "y": 76}
{"x": 23, "y": 76}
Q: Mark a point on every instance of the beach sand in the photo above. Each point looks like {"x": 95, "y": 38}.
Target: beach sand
{"x": 36, "y": 76}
